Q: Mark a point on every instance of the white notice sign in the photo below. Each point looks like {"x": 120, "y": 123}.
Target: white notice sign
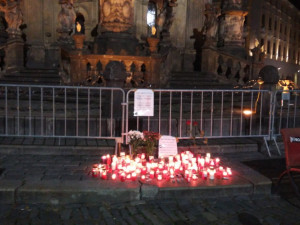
{"x": 167, "y": 146}
{"x": 143, "y": 102}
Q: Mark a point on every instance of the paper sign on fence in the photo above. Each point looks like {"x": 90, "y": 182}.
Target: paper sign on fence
{"x": 143, "y": 102}
{"x": 167, "y": 146}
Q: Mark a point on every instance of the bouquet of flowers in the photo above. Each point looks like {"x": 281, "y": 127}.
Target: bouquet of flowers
{"x": 135, "y": 139}
{"x": 150, "y": 140}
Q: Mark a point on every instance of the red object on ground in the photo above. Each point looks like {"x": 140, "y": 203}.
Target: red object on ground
{"x": 292, "y": 155}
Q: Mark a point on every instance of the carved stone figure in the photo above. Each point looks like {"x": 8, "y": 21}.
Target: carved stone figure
{"x": 66, "y": 18}
{"x": 211, "y": 22}
{"x": 13, "y": 15}
{"x": 116, "y": 15}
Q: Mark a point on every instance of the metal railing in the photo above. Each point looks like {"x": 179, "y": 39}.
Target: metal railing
{"x": 61, "y": 111}
{"x": 106, "y": 113}
{"x": 200, "y": 114}
{"x": 286, "y": 111}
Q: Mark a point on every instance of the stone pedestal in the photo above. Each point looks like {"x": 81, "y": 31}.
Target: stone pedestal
{"x": 14, "y": 55}
{"x": 209, "y": 61}
{"x": 79, "y": 40}
{"x": 153, "y": 42}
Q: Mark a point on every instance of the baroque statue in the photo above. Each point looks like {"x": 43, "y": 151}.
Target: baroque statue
{"x": 66, "y": 18}
{"x": 13, "y": 15}
{"x": 211, "y": 23}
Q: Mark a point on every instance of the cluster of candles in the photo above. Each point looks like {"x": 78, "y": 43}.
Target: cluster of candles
{"x": 185, "y": 165}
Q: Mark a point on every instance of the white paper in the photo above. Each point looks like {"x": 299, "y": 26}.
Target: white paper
{"x": 143, "y": 102}
{"x": 167, "y": 146}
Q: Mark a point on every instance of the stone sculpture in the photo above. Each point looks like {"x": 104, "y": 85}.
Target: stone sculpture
{"x": 66, "y": 18}
{"x": 13, "y": 16}
{"x": 116, "y": 15}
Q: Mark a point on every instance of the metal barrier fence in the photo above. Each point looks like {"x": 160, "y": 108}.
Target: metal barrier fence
{"x": 200, "y": 114}
{"x": 286, "y": 111}
{"x": 61, "y": 111}
{"x": 104, "y": 113}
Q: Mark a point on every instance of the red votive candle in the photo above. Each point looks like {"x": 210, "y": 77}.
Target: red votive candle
{"x": 104, "y": 175}
{"x": 194, "y": 176}
{"x": 143, "y": 178}
{"x": 152, "y": 174}
{"x": 104, "y": 159}
{"x": 159, "y": 177}
{"x": 165, "y": 174}
{"x": 114, "y": 176}
{"x": 122, "y": 177}
{"x": 144, "y": 170}
{"x": 95, "y": 172}
{"x": 133, "y": 176}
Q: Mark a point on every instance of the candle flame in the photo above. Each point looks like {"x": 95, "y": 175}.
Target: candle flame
{"x": 153, "y": 30}
{"x": 78, "y": 27}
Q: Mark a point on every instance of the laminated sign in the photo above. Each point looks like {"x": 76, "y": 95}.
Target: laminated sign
{"x": 167, "y": 146}
{"x": 143, "y": 102}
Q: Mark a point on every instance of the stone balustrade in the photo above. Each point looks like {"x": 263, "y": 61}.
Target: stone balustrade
{"x": 136, "y": 67}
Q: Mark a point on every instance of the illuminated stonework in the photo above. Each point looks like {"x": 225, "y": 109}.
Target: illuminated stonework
{"x": 116, "y": 15}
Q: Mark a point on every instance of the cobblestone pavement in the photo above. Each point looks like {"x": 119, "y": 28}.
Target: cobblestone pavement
{"x": 244, "y": 210}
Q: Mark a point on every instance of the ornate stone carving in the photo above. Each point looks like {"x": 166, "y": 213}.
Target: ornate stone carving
{"x": 13, "y": 16}
{"x": 211, "y": 23}
{"x": 234, "y": 27}
{"x": 116, "y": 15}
{"x": 66, "y": 18}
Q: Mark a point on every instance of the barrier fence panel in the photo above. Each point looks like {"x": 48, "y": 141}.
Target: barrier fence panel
{"x": 199, "y": 114}
{"x": 61, "y": 111}
{"x": 286, "y": 111}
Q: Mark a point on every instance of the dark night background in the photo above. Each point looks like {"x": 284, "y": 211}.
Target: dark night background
{"x": 296, "y": 3}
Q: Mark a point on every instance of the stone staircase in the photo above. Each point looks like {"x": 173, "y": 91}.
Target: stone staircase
{"x": 196, "y": 80}
{"x": 33, "y": 76}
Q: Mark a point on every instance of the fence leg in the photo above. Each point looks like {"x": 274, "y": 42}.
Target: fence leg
{"x": 267, "y": 146}
{"x": 274, "y": 139}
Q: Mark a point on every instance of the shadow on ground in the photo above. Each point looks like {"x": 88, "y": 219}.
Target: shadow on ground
{"x": 272, "y": 168}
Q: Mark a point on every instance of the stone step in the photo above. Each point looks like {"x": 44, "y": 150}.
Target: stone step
{"x": 30, "y": 178}
{"x": 33, "y": 76}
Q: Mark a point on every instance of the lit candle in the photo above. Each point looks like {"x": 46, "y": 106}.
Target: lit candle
{"x": 143, "y": 178}
{"x": 122, "y": 176}
{"x": 144, "y": 170}
{"x": 225, "y": 175}
{"x": 159, "y": 177}
{"x": 204, "y": 175}
{"x": 152, "y": 174}
{"x": 212, "y": 174}
{"x": 108, "y": 159}
{"x": 95, "y": 172}
{"x": 104, "y": 159}
{"x": 208, "y": 155}
{"x": 229, "y": 172}
{"x": 151, "y": 158}
{"x": 133, "y": 176}
{"x": 143, "y": 156}
{"x": 194, "y": 176}
{"x": 113, "y": 165}
{"x": 128, "y": 176}
{"x": 104, "y": 175}
{"x": 217, "y": 161}
{"x": 165, "y": 174}
{"x": 114, "y": 176}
